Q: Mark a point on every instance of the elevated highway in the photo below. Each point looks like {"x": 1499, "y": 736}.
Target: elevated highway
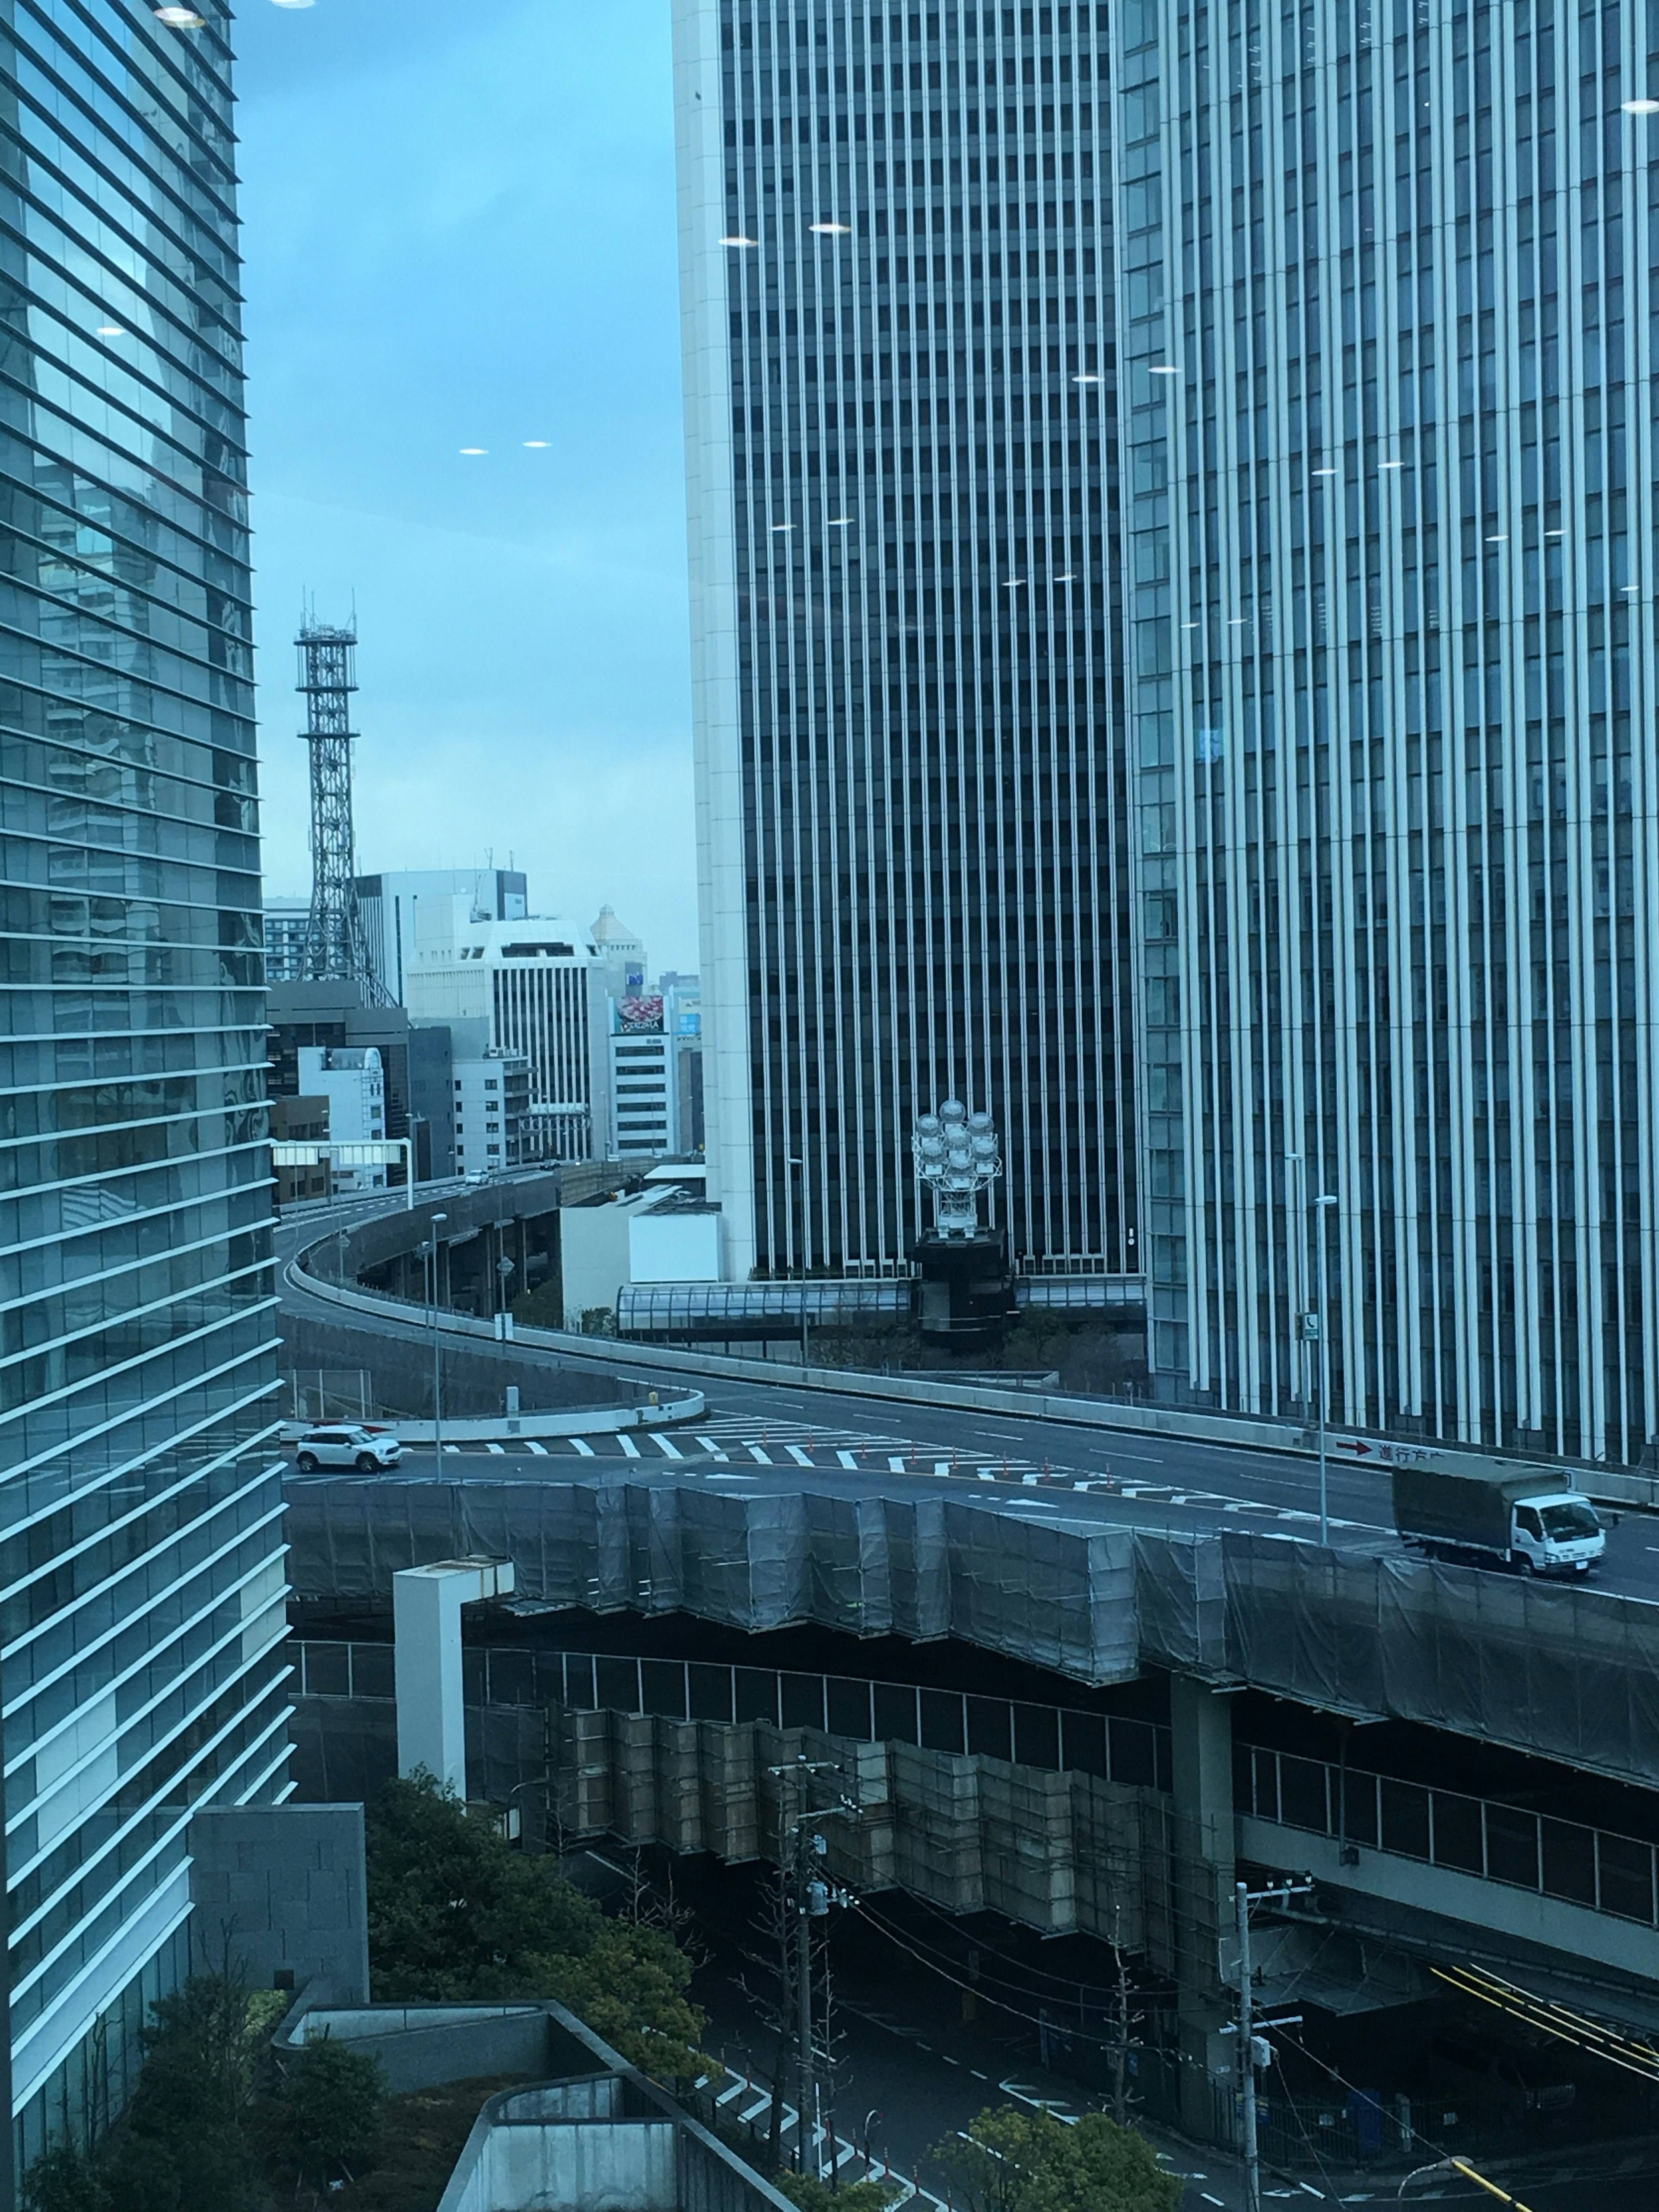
{"x": 1104, "y": 1561}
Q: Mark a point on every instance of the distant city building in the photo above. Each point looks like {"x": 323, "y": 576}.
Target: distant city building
{"x": 906, "y": 595}
{"x": 415, "y": 1058}
{"x": 621, "y": 954}
{"x": 301, "y": 1121}
{"x": 286, "y": 923}
{"x": 388, "y": 904}
{"x": 353, "y": 1081}
{"x": 492, "y": 1112}
{"x": 539, "y": 991}
{"x": 644, "y": 1102}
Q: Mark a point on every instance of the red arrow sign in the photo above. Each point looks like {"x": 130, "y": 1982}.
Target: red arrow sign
{"x": 1355, "y": 1444}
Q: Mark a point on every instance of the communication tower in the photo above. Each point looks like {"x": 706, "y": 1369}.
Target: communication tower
{"x": 336, "y": 948}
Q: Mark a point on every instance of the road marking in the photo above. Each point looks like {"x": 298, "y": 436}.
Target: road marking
{"x": 800, "y": 1458}
{"x": 736, "y": 1475}
{"x": 1208, "y": 2199}
{"x": 630, "y": 1449}
{"x": 896, "y": 1465}
{"x": 755, "y": 1452}
{"x": 988, "y": 1475}
{"x": 711, "y": 1447}
{"x": 666, "y": 1445}
{"x": 1029, "y": 1478}
{"x": 582, "y": 1445}
{"x": 949, "y": 2061}
{"x": 497, "y": 1449}
{"x": 848, "y": 1460}
{"x": 977, "y": 2075}
{"x": 530, "y": 1445}
{"x": 941, "y": 1466}
{"x": 452, "y": 1448}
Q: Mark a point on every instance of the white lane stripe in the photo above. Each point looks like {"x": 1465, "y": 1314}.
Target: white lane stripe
{"x": 630, "y": 1449}
{"x": 800, "y": 1458}
{"x": 530, "y": 1445}
{"x": 666, "y": 1445}
{"x": 582, "y": 1445}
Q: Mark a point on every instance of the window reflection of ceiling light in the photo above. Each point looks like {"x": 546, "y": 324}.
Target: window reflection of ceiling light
{"x": 832, "y": 230}
{"x": 1642, "y": 107}
{"x": 1013, "y": 583}
{"x": 181, "y": 19}
{"x": 1392, "y": 465}
{"x": 777, "y": 526}
{"x": 294, "y": 3}
{"x": 535, "y": 445}
{"x": 1163, "y": 368}
{"x": 1502, "y": 539}
{"x": 1069, "y": 578}
{"x": 838, "y": 522}
{"x": 739, "y": 241}
{"x": 475, "y": 449}
{"x": 1555, "y": 533}
{"x": 1087, "y": 376}
{"x": 1324, "y": 472}
{"x": 111, "y": 330}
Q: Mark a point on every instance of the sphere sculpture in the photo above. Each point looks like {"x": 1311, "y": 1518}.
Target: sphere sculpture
{"x": 956, "y": 1153}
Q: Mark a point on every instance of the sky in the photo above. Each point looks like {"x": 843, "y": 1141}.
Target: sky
{"x": 458, "y": 229}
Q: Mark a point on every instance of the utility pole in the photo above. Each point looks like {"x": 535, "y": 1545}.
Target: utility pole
{"x": 437, "y": 1350}
{"x": 1247, "y": 2053}
{"x": 1322, "y": 1206}
{"x": 809, "y": 1898}
{"x": 1253, "y": 2050}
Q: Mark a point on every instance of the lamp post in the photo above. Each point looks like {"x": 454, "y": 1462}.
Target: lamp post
{"x": 437, "y": 1219}
{"x": 1321, "y": 1205}
{"x": 801, "y": 1165}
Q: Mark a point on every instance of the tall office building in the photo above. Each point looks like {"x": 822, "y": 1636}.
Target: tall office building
{"x": 896, "y": 246}
{"x": 390, "y": 906}
{"x": 1385, "y": 367}
{"x": 141, "y": 1570}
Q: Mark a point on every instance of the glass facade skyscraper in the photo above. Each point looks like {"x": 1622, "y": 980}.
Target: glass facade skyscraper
{"x": 901, "y": 395}
{"x": 1387, "y": 401}
{"x": 143, "y": 1581}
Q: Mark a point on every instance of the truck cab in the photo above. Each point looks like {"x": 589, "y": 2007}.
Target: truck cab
{"x": 1559, "y": 1535}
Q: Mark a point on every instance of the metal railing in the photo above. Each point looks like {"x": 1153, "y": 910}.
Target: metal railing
{"x": 1109, "y": 1746}
{"x": 1611, "y": 1874}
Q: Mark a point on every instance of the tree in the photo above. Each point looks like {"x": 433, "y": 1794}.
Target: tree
{"x": 64, "y": 2178}
{"x": 455, "y": 1912}
{"x": 326, "y": 2114}
{"x": 812, "y": 2195}
{"x": 1015, "y": 2160}
{"x": 181, "y": 2146}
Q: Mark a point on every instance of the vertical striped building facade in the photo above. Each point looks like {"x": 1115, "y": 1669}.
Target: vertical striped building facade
{"x": 1386, "y": 365}
{"x": 142, "y": 1581}
{"x": 896, "y": 258}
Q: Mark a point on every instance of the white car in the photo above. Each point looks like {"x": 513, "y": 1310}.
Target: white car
{"x": 369, "y": 1450}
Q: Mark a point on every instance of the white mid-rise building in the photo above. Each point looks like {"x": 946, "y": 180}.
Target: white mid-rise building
{"x": 492, "y": 1112}
{"x": 389, "y": 905}
{"x": 540, "y": 993}
{"x": 353, "y": 1083}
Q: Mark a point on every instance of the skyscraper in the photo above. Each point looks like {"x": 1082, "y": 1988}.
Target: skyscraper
{"x": 901, "y": 393}
{"x": 141, "y": 1576}
{"x": 1385, "y": 378}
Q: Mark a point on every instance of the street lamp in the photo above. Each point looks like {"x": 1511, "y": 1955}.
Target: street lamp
{"x": 801, "y": 1165}
{"x": 437, "y": 1221}
{"x": 1321, "y": 1205}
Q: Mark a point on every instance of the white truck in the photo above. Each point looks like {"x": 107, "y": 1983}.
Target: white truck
{"x": 1533, "y": 1524}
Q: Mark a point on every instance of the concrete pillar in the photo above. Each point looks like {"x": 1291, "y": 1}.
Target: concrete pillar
{"x": 1203, "y": 1837}
{"x": 426, "y": 1622}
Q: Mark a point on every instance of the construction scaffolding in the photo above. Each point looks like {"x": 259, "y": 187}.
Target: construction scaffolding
{"x": 336, "y": 947}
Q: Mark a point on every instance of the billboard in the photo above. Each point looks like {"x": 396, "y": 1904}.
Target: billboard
{"x": 640, "y": 1016}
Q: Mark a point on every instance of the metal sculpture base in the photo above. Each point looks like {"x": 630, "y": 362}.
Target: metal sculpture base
{"x": 963, "y": 1289}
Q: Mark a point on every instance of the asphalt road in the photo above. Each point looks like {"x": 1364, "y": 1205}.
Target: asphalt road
{"x": 765, "y": 1435}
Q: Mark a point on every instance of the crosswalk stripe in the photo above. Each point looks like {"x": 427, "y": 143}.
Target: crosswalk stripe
{"x": 755, "y": 1452}
{"x": 531, "y": 1444}
{"x": 847, "y": 1460}
{"x": 630, "y": 1449}
{"x": 800, "y": 1458}
{"x": 666, "y": 1445}
{"x": 497, "y": 1449}
{"x": 711, "y": 1448}
{"x": 582, "y": 1445}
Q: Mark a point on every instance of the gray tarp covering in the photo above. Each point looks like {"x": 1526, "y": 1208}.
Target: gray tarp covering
{"x": 1564, "y": 1672}
{"x": 1061, "y": 1597}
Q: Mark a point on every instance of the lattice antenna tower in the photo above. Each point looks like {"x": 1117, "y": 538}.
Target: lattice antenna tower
{"x": 336, "y": 950}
